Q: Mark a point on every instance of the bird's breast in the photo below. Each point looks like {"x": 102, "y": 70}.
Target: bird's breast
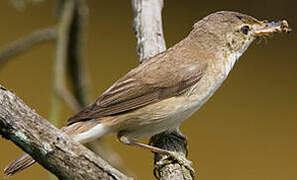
{"x": 215, "y": 74}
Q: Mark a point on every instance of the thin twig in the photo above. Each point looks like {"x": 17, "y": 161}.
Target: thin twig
{"x": 34, "y": 38}
{"x": 75, "y": 60}
{"x": 60, "y": 89}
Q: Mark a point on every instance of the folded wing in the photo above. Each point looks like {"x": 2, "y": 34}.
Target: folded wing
{"x": 146, "y": 84}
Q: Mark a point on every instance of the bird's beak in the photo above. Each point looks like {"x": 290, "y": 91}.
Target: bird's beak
{"x": 267, "y": 28}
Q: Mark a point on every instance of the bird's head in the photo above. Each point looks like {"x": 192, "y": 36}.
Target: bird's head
{"x": 234, "y": 31}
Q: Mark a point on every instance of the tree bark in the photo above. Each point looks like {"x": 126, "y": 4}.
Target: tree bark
{"x": 148, "y": 28}
{"x": 49, "y": 146}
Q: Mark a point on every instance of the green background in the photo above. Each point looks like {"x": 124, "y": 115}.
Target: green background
{"x": 247, "y": 130}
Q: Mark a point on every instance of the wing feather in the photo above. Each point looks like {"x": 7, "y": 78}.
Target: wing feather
{"x": 144, "y": 85}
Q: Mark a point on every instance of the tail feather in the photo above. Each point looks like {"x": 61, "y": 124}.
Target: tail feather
{"x": 19, "y": 164}
{"x": 82, "y": 132}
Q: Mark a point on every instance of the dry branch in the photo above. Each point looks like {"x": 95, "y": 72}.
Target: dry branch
{"x": 150, "y": 41}
{"x": 75, "y": 56}
{"x": 148, "y": 28}
{"x": 18, "y": 46}
{"x": 52, "y": 148}
{"x": 60, "y": 89}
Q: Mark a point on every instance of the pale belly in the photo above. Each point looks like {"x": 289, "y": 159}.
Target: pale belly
{"x": 169, "y": 113}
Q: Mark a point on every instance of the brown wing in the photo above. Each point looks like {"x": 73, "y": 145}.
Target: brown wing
{"x": 148, "y": 83}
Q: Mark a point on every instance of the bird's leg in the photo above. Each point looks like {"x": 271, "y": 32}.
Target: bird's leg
{"x": 179, "y": 157}
{"x": 129, "y": 141}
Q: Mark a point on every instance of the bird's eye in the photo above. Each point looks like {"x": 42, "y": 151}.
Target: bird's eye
{"x": 245, "y": 29}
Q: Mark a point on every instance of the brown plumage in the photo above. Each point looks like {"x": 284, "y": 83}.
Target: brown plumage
{"x": 149, "y": 83}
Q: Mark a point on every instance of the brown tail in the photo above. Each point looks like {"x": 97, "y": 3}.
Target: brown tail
{"x": 19, "y": 164}
{"x": 26, "y": 160}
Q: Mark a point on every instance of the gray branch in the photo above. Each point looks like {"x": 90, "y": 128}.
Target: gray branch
{"x": 52, "y": 148}
{"x": 150, "y": 41}
{"x": 60, "y": 63}
{"x": 148, "y": 28}
{"x": 19, "y": 46}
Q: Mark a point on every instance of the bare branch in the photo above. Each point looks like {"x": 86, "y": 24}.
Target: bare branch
{"x": 148, "y": 28}
{"x": 150, "y": 41}
{"x": 36, "y": 37}
{"x": 52, "y": 148}
{"x": 76, "y": 67}
{"x": 60, "y": 89}
{"x": 166, "y": 169}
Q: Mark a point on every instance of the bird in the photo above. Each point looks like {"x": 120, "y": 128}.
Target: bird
{"x": 160, "y": 93}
